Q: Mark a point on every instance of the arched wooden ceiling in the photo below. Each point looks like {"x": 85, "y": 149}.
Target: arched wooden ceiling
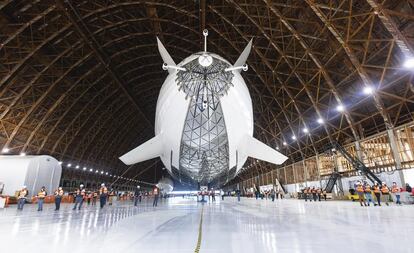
{"x": 79, "y": 80}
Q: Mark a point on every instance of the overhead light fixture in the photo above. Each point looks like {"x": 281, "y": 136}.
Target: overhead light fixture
{"x": 340, "y": 108}
{"x": 69, "y": 165}
{"x": 77, "y": 166}
{"x": 96, "y": 171}
{"x": 102, "y": 172}
{"x": 284, "y": 143}
{"x": 293, "y": 137}
{"x": 90, "y": 170}
{"x": 60, "y": 162}
{"x": 305, "y": 130}
{"x": 84, "y": 168}
{"x": 5, "y": 150}
{"x": 277, "y": 147}
{"x": 409, "y": 63}
{"x": 368, "y": 90}
{"x": 23, "y": 154}
{"x": 106, "y": 173}
{"x": 320, "y": 121}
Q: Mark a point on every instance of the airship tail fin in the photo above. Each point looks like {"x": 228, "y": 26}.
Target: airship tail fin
{"x": 243, "y": 57}
{"x": 261, "y": 151}
{"x": 166, "y": 57}
{"x": 148, "y": 150}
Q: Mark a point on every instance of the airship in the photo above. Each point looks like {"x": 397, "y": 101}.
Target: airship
{"x": 204, "y": 120}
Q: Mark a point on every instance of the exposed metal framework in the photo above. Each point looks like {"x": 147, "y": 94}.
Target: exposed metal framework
{"x": 79, "y": 80}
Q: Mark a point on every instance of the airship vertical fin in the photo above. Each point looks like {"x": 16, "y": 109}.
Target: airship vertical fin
{"x": 165, "y": 55}
{"x": 243, "y": 57}
{"x": 148, "y": 150}
{"x": 259, "y": 150}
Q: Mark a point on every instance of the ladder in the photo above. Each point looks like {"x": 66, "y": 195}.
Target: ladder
{"x": 356, "y": 163}
{"x": 332, "y": 181}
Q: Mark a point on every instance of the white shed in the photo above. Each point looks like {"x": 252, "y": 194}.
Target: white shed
{"x": 31, "y": 171}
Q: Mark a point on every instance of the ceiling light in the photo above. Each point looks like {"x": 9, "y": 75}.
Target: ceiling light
{"x": 96, "y": 171}
{"x": 320, "y": 121}
{"x": 90, "y": 170}
{"x": 102, "y": 172}
{"x": 77, "y": 166}
{"x": 305, "y": 130}
{"x": 69, "y": 165}
{"x": 23, "y": 154}
{"x": 5, "y": 150}
{"x": 340, "y": 108}
{"x": 106, "y": 173}
{"x": 368, "y": 90}
{"x": 60, "y": 162}
{"x": 284, "y": 143}
{"x": 84, "y": 168}
{"x": 293, "y": 137}
{"x": 277, "y": 147}
{"x": 409, "y": 63}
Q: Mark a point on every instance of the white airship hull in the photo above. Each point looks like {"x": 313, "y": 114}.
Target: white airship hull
{"x": 171, "y": 115}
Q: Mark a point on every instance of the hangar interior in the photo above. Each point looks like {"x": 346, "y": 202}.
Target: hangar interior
{"x": 331, "y": 85}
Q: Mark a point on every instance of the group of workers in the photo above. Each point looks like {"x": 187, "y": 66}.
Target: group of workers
{"x": 80, "y": 195}
{"x": 314, "y": 193}
{"x": 382, "y": 193}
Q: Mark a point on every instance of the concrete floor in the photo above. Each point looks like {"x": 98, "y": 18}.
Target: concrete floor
{"x": 228, "y": 226}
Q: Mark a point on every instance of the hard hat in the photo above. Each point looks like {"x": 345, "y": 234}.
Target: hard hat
{"x": 81, "y": 186}
{"x": 102, "y": 184}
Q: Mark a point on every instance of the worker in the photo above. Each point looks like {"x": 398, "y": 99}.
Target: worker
{"x": 324, "y": 194}
{"x": 41, "y": 195}
{"x": 385, "y": 193}
{"x": 137, "y": 195}
{"x": 22, "y": 198}
{"x": 156, "y": 193}
{"x": 88, "y": 197}
{"x": 94, "y": 197}
{"x": 368, "y": 194}
{"x": 272, "y": 194}
{"x": 111, "y": 197}
{"x": 79, "y": 195}
{"x": 222, "y": 194}
{"x": 213, "y": 195}
{"x": 58, "y": 198}
{"x": 396, "y": 191}
{"x": 238, "y": 193}
{"x": 103, "y": 194}
{"x": 305, "y": 194}
{"x": 319, "y": 193}
{"x": 377, "y": 193}
{"x": 361, "y": 193}
{"x": 314, "y": 193}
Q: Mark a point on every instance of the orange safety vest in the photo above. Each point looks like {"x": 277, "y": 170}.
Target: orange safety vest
{"x": 22, "y": 194}
{"x": 376, "y": 189}
{"x": 41, "y": 194}
{"x": 59, "y": 193}
{"x": 395, "y": 189}
{"x": 360, "y": 188}
{"x": 385, "y": 190}
{"x": 368, "y": 189}
{"x": 103, "y": 190}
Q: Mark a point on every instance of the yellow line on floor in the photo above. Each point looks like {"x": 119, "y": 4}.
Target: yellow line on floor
{"x": 200, "y": 232}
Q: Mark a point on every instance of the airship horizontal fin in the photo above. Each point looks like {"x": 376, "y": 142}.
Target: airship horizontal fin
{"x": 244, "y": 55}
{"x": 165, "y": 55}
{"x": 148, "y": 150}
{"x": 261, "y": 151}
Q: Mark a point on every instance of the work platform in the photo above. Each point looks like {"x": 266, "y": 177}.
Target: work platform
{"x": 227, "y": 226}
